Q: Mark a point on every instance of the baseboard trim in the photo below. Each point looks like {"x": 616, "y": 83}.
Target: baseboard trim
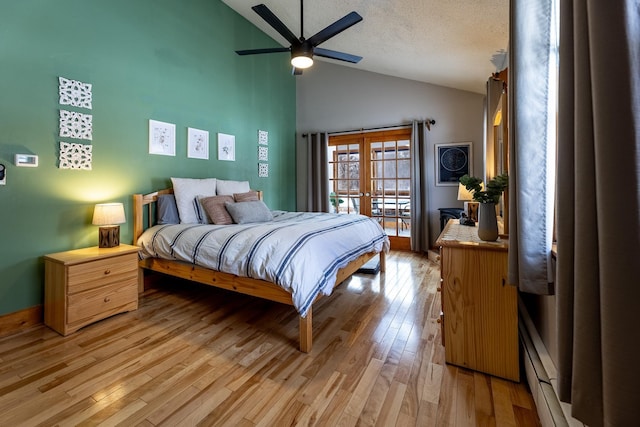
{"x": 541, "y": 376}
{"x": 18, "y": 321}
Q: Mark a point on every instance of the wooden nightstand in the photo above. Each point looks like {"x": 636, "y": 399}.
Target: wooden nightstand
{"x": 86, "y": 285}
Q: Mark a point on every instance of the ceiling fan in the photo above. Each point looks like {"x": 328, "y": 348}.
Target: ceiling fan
{"x": 302, "y": 50}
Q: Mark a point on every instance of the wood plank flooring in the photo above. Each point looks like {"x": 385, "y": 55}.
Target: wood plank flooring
{"x": 194, "y": 355}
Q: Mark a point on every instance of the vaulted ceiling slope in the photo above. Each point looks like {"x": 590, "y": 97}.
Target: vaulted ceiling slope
{"x": 452, "y": 43}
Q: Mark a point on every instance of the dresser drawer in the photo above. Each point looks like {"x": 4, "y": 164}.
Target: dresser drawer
{"x": 86, "y": 306}
{"x": 91, "y": 275}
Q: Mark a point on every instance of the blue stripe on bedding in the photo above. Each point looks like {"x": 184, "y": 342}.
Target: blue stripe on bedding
{"x": 336, "y": 265}
{"x": 176, "y": 239}
{"x": 306, "y": 237}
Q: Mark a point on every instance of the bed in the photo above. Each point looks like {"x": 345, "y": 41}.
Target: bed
{"x": 217, "y": 255}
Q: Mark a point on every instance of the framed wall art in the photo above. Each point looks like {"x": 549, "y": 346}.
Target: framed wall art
{"x": 226, "y": 147}
{"x": 453, "y": 160}
{"x": 197, "y": 144}
{"x": 162, "y": 138}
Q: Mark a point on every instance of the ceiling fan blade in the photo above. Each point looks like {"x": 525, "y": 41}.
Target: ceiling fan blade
{"x": 337, "y": 27}
{"x": 271, "y": 19}
{"x": 258, "y": 51}
{"x": 332, "y": 54}
{"x": 296, "y": 71}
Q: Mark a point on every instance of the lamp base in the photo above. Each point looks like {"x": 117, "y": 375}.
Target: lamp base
{"x": 109, "y": 236}
{"x": 471, "y": 209}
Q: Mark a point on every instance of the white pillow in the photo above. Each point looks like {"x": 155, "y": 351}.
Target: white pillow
{"x": 186, "y": 191}
{"x": 229, "y": 188}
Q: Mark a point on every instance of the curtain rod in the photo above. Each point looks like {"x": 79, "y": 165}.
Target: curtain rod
{"x": 346, "y": 132}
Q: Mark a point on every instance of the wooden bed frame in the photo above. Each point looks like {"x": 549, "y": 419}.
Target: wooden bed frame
{"x": 143, "y": 205}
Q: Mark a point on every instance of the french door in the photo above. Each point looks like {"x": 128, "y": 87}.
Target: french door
{"x": 370, "y": 174}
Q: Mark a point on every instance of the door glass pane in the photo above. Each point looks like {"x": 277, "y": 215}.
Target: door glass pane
{"x": 344, "y": 177}
{"x": 404, "y": 168}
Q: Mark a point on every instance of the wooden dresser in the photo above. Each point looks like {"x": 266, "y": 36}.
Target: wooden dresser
{"x": 480, "y": 310}
{"x": 86, "y": 285}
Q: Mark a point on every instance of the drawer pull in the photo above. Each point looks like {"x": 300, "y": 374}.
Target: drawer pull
{"x": 439, "y": 289}
{"x": 438, "y": 320}
{"x": 107, "y": 271}
{"x": 107, "y": 299}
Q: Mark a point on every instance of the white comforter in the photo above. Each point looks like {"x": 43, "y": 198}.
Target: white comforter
{"x": 301, "y": 252}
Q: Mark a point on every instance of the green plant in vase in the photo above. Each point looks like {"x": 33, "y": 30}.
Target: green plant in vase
{"x": 488, "y": 198}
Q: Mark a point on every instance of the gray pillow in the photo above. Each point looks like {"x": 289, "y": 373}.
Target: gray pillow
{"x": 167, "y": 209}
{"x": 247, "y": 212}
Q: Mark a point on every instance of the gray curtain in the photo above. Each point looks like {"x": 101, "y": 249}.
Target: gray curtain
{"x": 419, "y": 206}
{"x": 318, "y": 177}
{"x": 598, "y": 220}
{"x": 532, "y": 128}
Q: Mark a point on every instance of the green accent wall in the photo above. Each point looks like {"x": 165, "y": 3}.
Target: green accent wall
{"x": 166, "y": 60}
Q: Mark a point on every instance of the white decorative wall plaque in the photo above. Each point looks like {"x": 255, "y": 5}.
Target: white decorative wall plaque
{"x": 76, "y": 125}
{"x": 75, "y": 156}
{"x": 263, "y": 153}
{"x": 75, "y": 93}
{"x": 197, "y": 144}
{"x": 162, "y": 138}
{"x": 263, "y": 170}
{"x": 263, "y": 137}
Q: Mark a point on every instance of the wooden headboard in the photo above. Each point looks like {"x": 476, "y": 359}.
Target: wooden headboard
{"x": 144, "y": 205}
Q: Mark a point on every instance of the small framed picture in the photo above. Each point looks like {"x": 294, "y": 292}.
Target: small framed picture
{"x": 226, "y": 147}
{"x": 162, "y": 138}
{"x": 453, "y": 160}
{"x": 197, "y": 144}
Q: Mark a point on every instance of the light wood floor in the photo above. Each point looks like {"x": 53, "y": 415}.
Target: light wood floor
{"x": 193, "y": 355}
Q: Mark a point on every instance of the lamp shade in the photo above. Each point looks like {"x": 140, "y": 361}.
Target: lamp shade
{"x": 464, "y": 194}
{"x": 108, "y": 214}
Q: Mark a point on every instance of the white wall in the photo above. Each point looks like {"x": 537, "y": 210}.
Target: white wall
{"x": 335, "y": 98}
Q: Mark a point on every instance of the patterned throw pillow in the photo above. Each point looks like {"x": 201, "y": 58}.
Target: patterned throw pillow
{"x": 249, "y": 196}
{"x": 215, "y": 208}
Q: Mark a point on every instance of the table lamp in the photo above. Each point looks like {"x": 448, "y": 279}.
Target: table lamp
{"x": 107, "y": 216}
{"x": 470, "y": 207}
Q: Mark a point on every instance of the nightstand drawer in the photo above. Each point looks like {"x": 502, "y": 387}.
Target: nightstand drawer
{"x": 100, "y": 302}
{"x": 91, "y": 275}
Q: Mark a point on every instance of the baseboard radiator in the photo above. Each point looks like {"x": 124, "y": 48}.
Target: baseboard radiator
{"x": 541, "y": 376}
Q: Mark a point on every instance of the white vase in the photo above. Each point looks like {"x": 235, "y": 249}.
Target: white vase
{"x": 487, "y": 222}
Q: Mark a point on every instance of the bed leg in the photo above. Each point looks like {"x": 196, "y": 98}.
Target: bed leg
{"x": 306, "y": 332}
{"x": 383, "y": 262}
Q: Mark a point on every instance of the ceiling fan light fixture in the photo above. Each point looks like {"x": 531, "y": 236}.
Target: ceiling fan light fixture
{"x": 301, "y": 61}
{"x": 302, "y": 55}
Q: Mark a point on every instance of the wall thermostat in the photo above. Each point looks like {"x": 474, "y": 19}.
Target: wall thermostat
{"x": 29, "y": 160}
{"x": 3, "y": 175}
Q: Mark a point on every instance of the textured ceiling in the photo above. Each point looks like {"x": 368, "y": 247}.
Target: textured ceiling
{"x": 447, "y": 42}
